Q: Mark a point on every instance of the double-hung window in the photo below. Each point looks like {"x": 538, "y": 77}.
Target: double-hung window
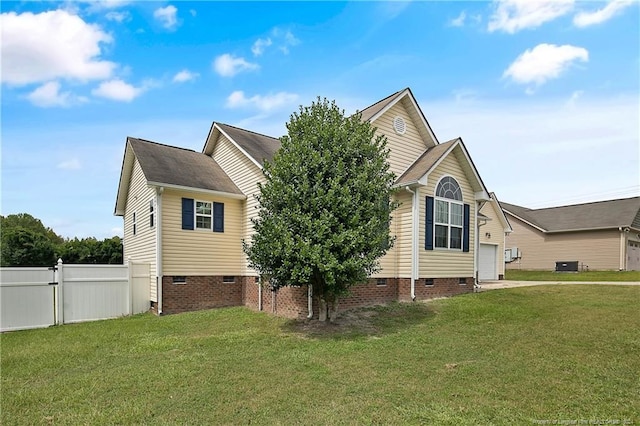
{"x": 448, "y": 224}
{"x": 447, "y": 218}
{"x": 206, "y": 215}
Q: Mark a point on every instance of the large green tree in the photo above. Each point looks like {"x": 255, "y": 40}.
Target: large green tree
{"x": 325, "y": 206}
{"x": 25, "y": 241}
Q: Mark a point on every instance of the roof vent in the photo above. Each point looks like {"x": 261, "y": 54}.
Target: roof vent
{"x": 399, "y": 125}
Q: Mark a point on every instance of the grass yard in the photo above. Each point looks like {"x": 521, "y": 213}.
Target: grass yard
{"x": 624, "y": 276}
{"x": 518, "y": 356}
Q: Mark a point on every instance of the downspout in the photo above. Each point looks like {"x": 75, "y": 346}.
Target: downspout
{"x": 623, "y": 257}
{"x": 260, "y": 293}
{"x": 476, "y": 239}
{"x": 159, "y": 192}
{"x": 310, "y": 301}
{"x": 414, "y": 240}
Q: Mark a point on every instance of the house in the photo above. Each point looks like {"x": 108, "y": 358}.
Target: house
{"x": 187, "y": 213}
{"x": 601, "y": 235}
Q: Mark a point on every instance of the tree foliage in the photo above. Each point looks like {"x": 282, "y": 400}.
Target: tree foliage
{"x": 27, "y": 242}
{"x": 325, "y": 207}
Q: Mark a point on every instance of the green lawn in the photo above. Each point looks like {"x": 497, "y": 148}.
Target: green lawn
{"x": 518, "y": 356}
{"x": 624, "y": 276}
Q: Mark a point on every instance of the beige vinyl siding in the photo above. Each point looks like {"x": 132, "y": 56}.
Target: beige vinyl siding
{"x": 404, "y": 149}
{"x": 142, "y": 246}
{"x": 441, "y": 263}
{"x": 600, "y": 250}
{"x": 246, "y": 175}
{"x": 496, "y": 229}
{"x": 200, "y": 252}
{"x": 397, "y": 261}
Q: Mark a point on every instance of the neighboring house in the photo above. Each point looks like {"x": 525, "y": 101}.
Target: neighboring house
{"x": 602, "y": 235}
{"x": 493, "y": 227}
{"x": 187, "y": 214}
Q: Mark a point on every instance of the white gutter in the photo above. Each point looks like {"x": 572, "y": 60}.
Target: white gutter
{"x": 158, "y": 224}
{"x": 310, "y": 301}
{"x": 198, "y": 190}
{"x": 414, "y": 240}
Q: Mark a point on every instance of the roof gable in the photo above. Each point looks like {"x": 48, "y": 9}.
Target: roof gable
{"x": 419, "y": 171}
{"x": 166, "y": 165}
{"x": 257, "y": 147}
{"x": 404, "y": 96}
{"x": 587, "y": 216}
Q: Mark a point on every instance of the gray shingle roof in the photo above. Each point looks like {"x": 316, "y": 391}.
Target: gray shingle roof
{"x": 260, "y": 147}
{"x": 597, "y": 215}
{"x": 372, "y": 110}
{"x": 424, "y": 163}
{"x": 178, "y": 166}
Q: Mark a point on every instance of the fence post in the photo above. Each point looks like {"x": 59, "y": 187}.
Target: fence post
{"x": 130, "y": 272}
{"x": 60, "y": 293}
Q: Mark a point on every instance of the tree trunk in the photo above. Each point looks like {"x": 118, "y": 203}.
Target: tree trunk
{"x": 322, "y": 306}
{"x": 333, "y": 310}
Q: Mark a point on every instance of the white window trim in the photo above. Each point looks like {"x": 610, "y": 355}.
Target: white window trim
{"x": 195, "y": 215}
{"x": 153, "y": 205}
{"x": 134, "y": 227}
{"x": 448, "y": 225}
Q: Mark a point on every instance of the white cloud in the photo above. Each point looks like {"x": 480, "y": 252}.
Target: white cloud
{"x": 459, "y": 21}
{"x": 50, "y": 45}
{"x": 289, "y": 40}
{"x": 167, "y": 16}
{"x": 544, "y": 62}
{"x": 118, "y": 17}
{"x": 72, "y": 164}
{"x": 534, "y": 164}
{"x": 514, "y": 15}
{"x": 49, "y": 95}
{"x": 117, "y": 90}
{"x": 265, "y": 103}
{"x": 259, "y": 46}
{"x": 584, "y": 19}
{"x": 228, "y": 65}
{"x": 193, "y": 12}
{"x": 184, "y": 76}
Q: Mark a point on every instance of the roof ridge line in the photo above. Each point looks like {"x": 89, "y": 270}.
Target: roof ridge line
{"x": 248, "y": 131}
{"x": 584, "y": 204}
{"x": 161, "y": 144}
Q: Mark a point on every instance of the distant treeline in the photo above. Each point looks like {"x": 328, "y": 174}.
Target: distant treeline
{"x": 27, "y": 242}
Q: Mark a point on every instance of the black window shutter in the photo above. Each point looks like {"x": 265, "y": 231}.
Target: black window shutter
{"x": 465, "y": 230}
{"x": 218, "y": 217}
{"x": 187, "y": 213}
{"x": 428, "y": 241}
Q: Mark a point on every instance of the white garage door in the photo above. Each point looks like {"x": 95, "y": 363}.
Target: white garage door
{"x": 487, "y": 262}
{"x": 633, "y": 256}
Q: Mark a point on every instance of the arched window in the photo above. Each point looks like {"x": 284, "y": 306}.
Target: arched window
{"x": 448, "y": 214}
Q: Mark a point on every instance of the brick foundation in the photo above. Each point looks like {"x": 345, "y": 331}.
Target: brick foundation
{"x": 205, "y": 292}
{"x": 200, "y": 292}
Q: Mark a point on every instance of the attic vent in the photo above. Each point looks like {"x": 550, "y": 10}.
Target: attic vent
{"x": 399, "y": 125}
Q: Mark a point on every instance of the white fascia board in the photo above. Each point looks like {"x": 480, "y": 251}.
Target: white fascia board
{"x": 198, "y": 190}
{"x": 525, "y": 221}
{"x": 253, "y": 160}
{"x": 206, "y": 142}
{"x": 423, "y": 180}
{"x": 128, "y": 161}
{"x": 389, "y": 106}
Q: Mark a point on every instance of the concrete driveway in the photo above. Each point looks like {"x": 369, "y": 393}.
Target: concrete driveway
{"x": 496, "y": 285}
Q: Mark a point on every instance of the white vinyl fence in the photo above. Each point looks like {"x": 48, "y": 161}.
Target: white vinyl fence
{"x": 40, "y": 297}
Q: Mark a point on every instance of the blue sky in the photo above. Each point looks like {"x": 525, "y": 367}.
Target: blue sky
{"x": 545, "y": 94}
